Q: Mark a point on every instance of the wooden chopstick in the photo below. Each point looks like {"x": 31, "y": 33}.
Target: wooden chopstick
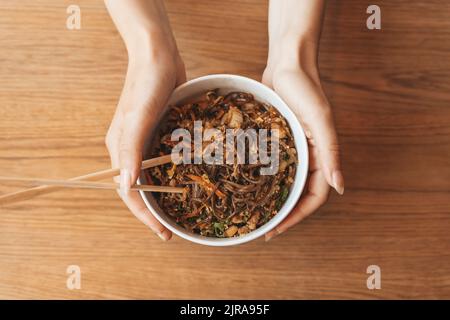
{"x": 91, "y": 185}
{"x": 99, "y": 175}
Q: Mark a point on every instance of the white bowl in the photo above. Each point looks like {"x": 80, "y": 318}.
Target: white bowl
{"x": 227, "y": 83}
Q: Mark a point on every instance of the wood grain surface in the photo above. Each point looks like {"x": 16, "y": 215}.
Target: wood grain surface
{"x": 390, "y": 90}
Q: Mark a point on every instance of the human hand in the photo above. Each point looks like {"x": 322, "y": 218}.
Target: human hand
{"x": 296, "y": 80}
{"x": 155, "y": 68}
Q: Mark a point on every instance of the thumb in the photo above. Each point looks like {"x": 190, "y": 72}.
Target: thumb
{"x": 135, "y": 130}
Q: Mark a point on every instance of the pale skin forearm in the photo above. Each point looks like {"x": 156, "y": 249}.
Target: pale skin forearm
{"x": 294, "y": 33}
{"x": 144, "y": 27}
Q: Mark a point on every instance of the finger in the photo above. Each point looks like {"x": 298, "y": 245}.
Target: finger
{"x": 136, "y": 126}
{"x": 137, "y": 206}
{"x": 313, "y": 155}
{"x": 112, "y": 142}
{"x": 316, "y": 196}
{"x": 134, "y": 202}
{"x": 325, "y": 138}
{"x": 313, "y": 109}
{"x": 141, "y": 104}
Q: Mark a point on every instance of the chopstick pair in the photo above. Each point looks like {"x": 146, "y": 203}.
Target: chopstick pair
{"x": 85, "y": 181}
{"x": 89, "y": 184}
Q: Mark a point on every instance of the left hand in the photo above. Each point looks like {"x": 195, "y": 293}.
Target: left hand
{"x": 301, "y": 89}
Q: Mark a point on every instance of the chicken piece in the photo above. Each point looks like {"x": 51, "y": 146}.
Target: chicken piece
{"x": 231, "y": 231}
{"x": 253, "y": 221}
{"x": 171, "y": 171}
{"x": 233, "y": 118}
{"x": 281, "y": 131}
{"x": 243, "y": 230}
{"x": 237, "y": 219}
{"x": 292, "y": 158}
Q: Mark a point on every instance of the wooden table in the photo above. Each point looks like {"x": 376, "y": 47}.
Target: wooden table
{"x": 390, "y": 90}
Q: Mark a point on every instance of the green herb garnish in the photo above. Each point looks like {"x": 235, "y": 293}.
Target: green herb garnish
{"x": 282, "y": 198}
{"x": 219, "y": 228}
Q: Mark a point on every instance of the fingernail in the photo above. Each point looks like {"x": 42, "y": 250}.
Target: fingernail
{"x": 338, "y": 182}
{"x": 160, "y": 235}
{"x": 125, "y": 182}
{"x": 273, "y": 234}
{"x": 164, "y": 235}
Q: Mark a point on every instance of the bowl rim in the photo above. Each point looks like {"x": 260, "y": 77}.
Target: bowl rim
{"x": 299, "y": 182}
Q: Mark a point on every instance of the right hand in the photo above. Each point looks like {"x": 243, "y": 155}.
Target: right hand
{"x": 151, "y": 77}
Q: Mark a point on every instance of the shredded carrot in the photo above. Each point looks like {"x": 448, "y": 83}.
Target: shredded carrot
{"x": 206, "y": 184}
{"x": 194, "y": 213}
